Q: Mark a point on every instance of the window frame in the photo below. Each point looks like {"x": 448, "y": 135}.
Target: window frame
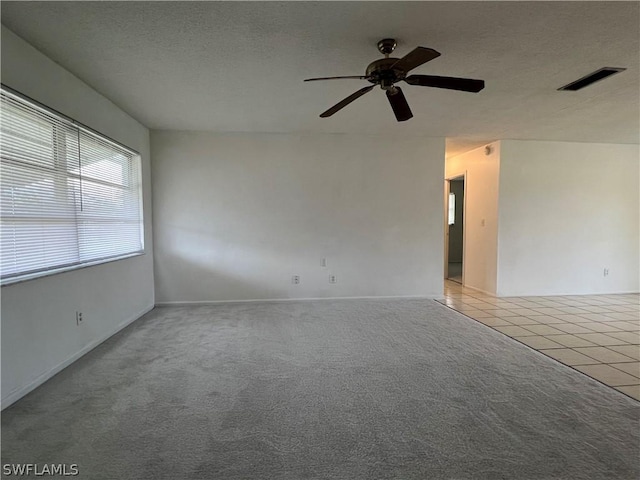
{"x": 82, "y": 129}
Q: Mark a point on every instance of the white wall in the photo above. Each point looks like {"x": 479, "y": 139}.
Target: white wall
{"x": 481, "y": 215}
{"x": 236, "y": 215}
{"x": 567, "y": 212}
{"x": 39, "y": 332}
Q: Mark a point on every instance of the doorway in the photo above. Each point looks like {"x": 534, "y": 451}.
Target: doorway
{"x": 454, "y": 268}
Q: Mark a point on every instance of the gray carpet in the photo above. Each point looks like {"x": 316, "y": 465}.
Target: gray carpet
{"x": 344, "y": 389}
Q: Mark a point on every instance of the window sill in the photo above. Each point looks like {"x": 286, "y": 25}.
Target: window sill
{"x": 56, "y": 271}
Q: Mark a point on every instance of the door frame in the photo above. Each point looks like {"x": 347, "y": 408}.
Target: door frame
{"x": 447, "y": 190}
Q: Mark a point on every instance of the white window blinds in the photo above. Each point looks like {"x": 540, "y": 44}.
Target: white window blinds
{"x": 69, "y": 197}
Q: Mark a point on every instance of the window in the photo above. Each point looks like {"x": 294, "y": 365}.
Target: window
{"x": 69, "y": 197}
{"x": 452, "y": 208}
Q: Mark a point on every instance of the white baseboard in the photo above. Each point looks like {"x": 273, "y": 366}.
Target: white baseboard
{"x": 288, "y": 300}
{"x": 573, "y": 294}
{"x": 17, "y": 394}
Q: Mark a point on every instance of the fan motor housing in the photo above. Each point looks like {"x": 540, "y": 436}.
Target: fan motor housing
{"x": 381, "y": 72}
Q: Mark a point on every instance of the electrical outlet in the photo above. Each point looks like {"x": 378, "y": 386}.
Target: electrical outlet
{"x": 606, "y": 272}
{"x": 333, "y": 279}
{"x": 78, "y": 318}
{"x": 295, "y": 279}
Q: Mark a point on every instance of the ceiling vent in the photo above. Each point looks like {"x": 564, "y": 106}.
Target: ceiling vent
{"x": 591, "y": 78}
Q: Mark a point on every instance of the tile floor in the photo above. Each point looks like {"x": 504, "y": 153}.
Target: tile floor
{"x": 599, "y": 335}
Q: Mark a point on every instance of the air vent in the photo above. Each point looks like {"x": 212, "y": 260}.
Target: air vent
{"x": 591, "y": 78}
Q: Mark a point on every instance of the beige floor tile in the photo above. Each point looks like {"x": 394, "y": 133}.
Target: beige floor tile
{"x": 521, "y": 311}
{"x": 570, "y": 341}
{"x": 564, "y": 303}
{"x": 482, "y": 306}
{"x": 600, "y": 327}
{"x": 568, "y": 318}
{"x": 625, "y": 308}
{"x": 632, "y": 368}
{"x": 625, "y": 326}
{"x": 543, "y": 329}
{"x": 622, "y": 316}
{"x": 464, "y": 307}
{"x": 521, "y": 320}
{"x": 591, "y": 299}
{"x": 470, "y": 312}
{"x": 632, "y": 351}
{"x": 573, "y": 303}
{"x": 572, "y": 310}
{"x": 629, "y": 337}
{"x": 505, "y": 304}
{"x": 604, "y": 354}
{"x": 482, "y": 314}
{"x": 599, "y": 338}
{"x": 591, "y": 317}
{"x": 494, "y": 322}
{"x": 569, "y": 357}
{"x": 546, "y": 319}
{"x": 527, "y": 304}
{"x": 512, "y": 307}
{"x": 538, "y": 342}
{"x": 453, "y": 303}
{"x": 514, "y": 330}
{"x": 470, "y": 302}
{"x": 571, "y": 328}
{"x": 491, "y": 301}
{"x": 549, "y": 311}
{"x": 596, "y": 309}
{"x": 502, "y": 312}
{"x": 608, "y": 375}
{"x": 474, "y": 301}
{"x": 631, "y": 390}
{"x": 550, "y": 304}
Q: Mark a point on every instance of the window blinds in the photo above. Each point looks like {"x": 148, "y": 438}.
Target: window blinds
{"x": 69, "y": 197}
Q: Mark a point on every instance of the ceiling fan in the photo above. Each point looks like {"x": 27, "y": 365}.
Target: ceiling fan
{"x": 387, "y": 71}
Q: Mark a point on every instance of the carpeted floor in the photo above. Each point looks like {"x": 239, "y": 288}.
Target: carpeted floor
{"x": 340, "y": 389}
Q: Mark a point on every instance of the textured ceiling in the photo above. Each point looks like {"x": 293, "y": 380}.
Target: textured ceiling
{"x": 239, "y": 66}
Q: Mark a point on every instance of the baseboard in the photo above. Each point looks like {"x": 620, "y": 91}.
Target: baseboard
{"x": 511, "y": 295}
{"x": 289, "y": 300}
{"x": 21, "y": 392}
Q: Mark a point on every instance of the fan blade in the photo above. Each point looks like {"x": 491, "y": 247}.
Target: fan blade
{"x": 399, "y": 104}
{"x": 346, "y": 101}
{"x": 452, "y": 83}
{"x": 359, "y": 77}
{"x": 415, "y": 58}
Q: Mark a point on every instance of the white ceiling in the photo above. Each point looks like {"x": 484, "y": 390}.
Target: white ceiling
{"x": 239, "y": 66}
